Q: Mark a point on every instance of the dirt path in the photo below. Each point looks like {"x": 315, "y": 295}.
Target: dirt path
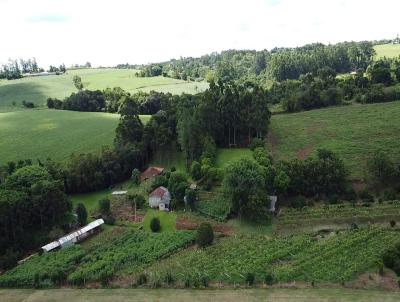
{"x": 180, "y": 295}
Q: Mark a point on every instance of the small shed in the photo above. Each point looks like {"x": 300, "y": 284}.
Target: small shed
{"x": 151, "y": 172}
{"x": 116, "y": 193}
{"x": 160, "y": 198}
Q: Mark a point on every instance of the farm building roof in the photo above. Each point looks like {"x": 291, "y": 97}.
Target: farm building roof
{"x": 73, "y": 235}
{"x": 119, "y": 192}
{"x": 151, "y": 172}
{"x": 159, "y": 192}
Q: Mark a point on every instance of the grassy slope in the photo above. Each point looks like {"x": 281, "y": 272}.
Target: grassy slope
{"x": 38, "y": 89}
{"x": 353, "y": 132}
{"x": 54, "y": 133}
{"x": 387, "y": 50}
{"x": 167, "y": 220}
{"x": 122, "y": 295}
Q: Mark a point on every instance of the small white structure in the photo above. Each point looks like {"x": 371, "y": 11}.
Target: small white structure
{"x": 73, "y": 237}
{"x": 160, "y": 198}
{"x": 273, "y": 199}
{"x": 119, "y": 192}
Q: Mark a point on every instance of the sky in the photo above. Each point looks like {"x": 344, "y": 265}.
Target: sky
{"x": 107, "y": 33}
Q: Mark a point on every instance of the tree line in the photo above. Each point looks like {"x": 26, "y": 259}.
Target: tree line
{"x": 15, "y": 69}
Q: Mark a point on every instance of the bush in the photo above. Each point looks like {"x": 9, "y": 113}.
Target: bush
{"x": 81, "y": 213}
{"x": 142, "y": 279}
{"x": 104, "y": 206}
{"x": 353, "y": 226}
{"x": 350, "y": 194}
{"x": 389, "y": 195}
{"x": 168, "y": 278}
{"x": 365, "y": 196}
{"x": 250, "y": 278}
{"x": 299, "y": 202}
{"x": 269, "y": 278}
{"x": 155, "y": 224}
{"x": 205, "y": 235}
{"x": 392, "y": 223}
{"x": 135, "y": 176}
{"x": 257, "y": 143}
{"x": 195, "y": 170}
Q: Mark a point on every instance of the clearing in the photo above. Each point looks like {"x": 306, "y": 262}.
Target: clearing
{"x": 387, "y": 50}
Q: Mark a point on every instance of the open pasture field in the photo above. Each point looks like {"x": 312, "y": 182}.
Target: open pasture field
{"x": 387, "y": 50}
{"x": 182, "y": 295}
{"x": 354, "y": 132}
{"x": 38, "y": 89}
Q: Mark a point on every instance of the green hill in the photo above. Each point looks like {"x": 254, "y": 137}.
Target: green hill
{"x": 353, "y": 132}
{"x": 54, "y": 133}
{"x": 38, "y": 89}
{"x": 387, "y": 50}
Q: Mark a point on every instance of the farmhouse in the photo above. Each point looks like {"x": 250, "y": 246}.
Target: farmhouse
{"x": 160, "y": 198}
{"x": 74, "y": 237}
{"x": 151, "y": 172}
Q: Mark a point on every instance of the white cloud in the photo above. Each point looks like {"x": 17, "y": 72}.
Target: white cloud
{"x": 118, "y": 31}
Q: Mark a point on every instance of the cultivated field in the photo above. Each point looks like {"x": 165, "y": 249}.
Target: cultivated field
{"x": 387, "y": 50}
{"x": 353, "y": 132}
{"x": 38, "y": 89}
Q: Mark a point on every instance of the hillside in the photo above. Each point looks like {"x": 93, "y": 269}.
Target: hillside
{"x": 53, "y": 133}
{"x": 353, "y": 132}
{"x": 38, "y": 89}
{"x": 387, "y": 50}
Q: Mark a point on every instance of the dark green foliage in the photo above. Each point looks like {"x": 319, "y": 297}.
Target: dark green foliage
{"x": 389, "y": 194}
{"x": 195, "y": 170}
{"x": 82, "y": 214}
{"x": 104, "y": 206}
{"x": 365, "y": 196}
{"x": 380, "y": 72}
{"x": 392, "y": 223}
{"x": 155, "y": 224}
{"x": 135, "y": 176}
{"x": 381, "y": 169}
{"x": 191, "y": 197}
{"x": 257, "y": 143}
{"x": 136, "y": 199}
{"x": 250, "y": 278}
{"x": 391, "y": 259}
{"x": 205, "y": 235}
{"x": 77, "y": 82}
{"x": 268, "y": 278}
{"x": 298, "y": 202}
{"x": 141, "y": 279}
{"x": 177, "y": 185}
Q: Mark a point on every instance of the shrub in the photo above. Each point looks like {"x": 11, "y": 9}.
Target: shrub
{"x": 299, "y": 202}
{"x": 389, "y": 195}
{"x": 135, "y": 176}
{"x": 205, "y": 234}
{"x": 168, "y": 278}
{"x": 81, "y": 213}
{"x": 350, "y": 194}
{"x": 250, "y": 278}
{"x": 257, "y": 143}
{"x": 155, "y": 224}
{"x": 268, "y": 278}
{"x": 142, "y": 279}
{"x": 365, "y": 196}
{"x": 333, "y": 199}
{"x": 104, "y": 206}
{"x": 195, "y": 170}
{"x": 392, "y": 223}
{"x": 353, "y": 226}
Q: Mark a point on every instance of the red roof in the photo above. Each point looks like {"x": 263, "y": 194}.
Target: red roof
{"x": 159, "y": 192}
{"x": 151, "y": 172}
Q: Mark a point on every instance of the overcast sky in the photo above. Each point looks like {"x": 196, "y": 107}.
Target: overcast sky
{"x": 141, "y": 31}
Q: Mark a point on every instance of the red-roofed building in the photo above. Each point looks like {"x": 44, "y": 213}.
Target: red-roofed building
{"x": 160, "y": 198}
{"x": 151, "y": 172}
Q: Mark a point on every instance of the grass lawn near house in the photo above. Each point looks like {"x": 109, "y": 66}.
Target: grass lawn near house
{"x": 227, "y": 155}
{"x": 167, "y": 220}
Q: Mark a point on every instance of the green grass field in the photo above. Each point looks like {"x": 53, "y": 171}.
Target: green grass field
{"x": 183, "y": 295}
{"x": 387, "y": 50}
{"x": 353, "y": 132}
{"x": 167, "y": 220}
{"x": 39, "y": 134}
{"x": 38, "y": 89}
{"x": 225, "y": 156}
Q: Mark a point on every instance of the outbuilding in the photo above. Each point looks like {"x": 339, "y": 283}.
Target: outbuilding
{"x": 160, "y": 198}
{"x": 151, "y": 172}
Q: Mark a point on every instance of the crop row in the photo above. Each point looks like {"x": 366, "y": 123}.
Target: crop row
{"x": 302, "y": 257}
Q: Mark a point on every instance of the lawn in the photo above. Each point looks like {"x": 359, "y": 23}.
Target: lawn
{"x": 38, "y": 89}
{"x": 40, "y": 134}
{"x": 387, "y": 50}
{"x": 182, "y": 295}
{"x": 353, "y": 132}
{"x": 225, "y": 156}
{"x": 167, "y": 220}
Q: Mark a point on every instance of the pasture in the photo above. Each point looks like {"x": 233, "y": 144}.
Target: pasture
{"x": 353, "y": 132}
{"x": 38, "y": 89}
{"x": 387, "y": 50}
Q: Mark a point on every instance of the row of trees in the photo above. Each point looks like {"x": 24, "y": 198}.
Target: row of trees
{"x": 15, "y": 69}
{"x": 278, "y": 64}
